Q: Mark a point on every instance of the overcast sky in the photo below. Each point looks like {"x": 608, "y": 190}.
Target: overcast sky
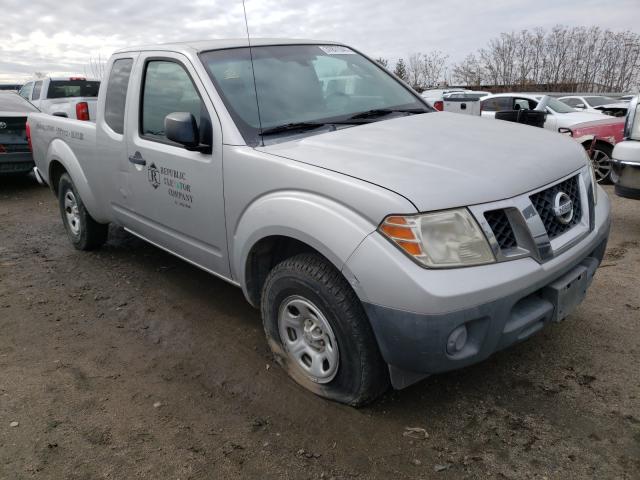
{"x": 60, "y": 36}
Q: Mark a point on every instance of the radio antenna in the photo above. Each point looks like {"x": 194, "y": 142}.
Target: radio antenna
{"x": 253, "y": 71}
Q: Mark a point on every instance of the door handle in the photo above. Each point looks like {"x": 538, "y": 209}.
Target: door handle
{"x": 137, "y": 159}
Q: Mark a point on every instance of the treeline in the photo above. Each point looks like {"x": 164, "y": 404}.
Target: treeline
{"x": 563, "y": 58}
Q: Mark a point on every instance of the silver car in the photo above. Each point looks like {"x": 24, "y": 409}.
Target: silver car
{"x": 382, "y": 242}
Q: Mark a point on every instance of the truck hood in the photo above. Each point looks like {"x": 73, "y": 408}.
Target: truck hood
{"x": 441, "y": 160}
{"x": 580, "y": 117}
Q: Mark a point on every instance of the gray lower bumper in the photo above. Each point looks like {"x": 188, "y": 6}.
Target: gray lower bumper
{"x": 626, "y": 176}
{"x": 16, "y": 163}
{"x": 415, "y": 345}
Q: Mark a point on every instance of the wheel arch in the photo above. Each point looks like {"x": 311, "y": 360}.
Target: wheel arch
{"x": 282, "y": 225}
{"x": 62, "y": 160}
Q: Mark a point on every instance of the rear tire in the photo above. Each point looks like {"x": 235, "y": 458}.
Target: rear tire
{"x": 319, "y": 332}
{"x": 83, "y": 231}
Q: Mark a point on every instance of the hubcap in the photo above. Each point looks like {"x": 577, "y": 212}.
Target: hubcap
{"x": 601, "y": 164}
{"x": 308, "y": 339}
{"x": 71, "y": 212}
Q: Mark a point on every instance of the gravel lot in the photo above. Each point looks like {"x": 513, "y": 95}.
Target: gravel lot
{"x": 129, "y": 363}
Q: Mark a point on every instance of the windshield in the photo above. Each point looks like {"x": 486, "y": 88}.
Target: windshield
{"x": 598, "y": 101}
{"x": 73, "y": 88}
{"x": 302, "y": 83}
{"x": 558, "y": 107}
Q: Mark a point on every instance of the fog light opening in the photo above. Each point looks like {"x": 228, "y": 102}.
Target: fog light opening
{"x": 457, "y": 340}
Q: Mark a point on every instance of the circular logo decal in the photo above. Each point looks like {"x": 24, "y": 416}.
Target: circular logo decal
{"x": 563, "y": 208}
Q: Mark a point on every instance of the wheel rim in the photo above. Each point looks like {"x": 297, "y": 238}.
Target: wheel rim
{"x": 71, "y": 212}
{"x": 308, "y": 339}
{"x": 601, "y": 164}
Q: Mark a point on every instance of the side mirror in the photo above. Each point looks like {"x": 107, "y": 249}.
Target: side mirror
{"x": 181, "y": 127}
{"x": 581, "y": 106}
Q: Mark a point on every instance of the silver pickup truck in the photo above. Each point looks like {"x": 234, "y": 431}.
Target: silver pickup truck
{"x": 382, "y": 241}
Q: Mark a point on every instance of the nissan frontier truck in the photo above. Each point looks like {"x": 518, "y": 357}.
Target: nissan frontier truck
{"x": 382, "y": 242}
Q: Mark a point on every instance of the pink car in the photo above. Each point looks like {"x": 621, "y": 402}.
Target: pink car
{"x": 598, "y": 137}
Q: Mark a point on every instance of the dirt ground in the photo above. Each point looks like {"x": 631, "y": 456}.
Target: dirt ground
{"x": 129, "y": 363}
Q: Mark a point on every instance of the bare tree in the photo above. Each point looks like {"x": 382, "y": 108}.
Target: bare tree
{"x": 415, "y": 71}
{"x": 470, "y": 71}
{"x": 434, "y": 68}
{"x": 95, "y": 68}
{"x": 382, "y": 61}
{"x": 562, "y": 59}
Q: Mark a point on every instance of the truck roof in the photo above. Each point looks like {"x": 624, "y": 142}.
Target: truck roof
{"x": 205, "y": 45}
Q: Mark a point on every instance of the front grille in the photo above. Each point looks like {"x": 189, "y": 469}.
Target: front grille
{"x": 499, "y": 223}
{"x": 543, "y": 202}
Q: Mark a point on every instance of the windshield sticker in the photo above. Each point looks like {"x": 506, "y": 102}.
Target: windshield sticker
{"x": 336, "y": 50}
{"x": 230, "y": 74}
{"x": 176, "y": 182}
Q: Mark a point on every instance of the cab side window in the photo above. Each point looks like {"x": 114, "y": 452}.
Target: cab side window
{"x": 497, "y": 104}
{"x": 37, "y": 88}
{"x": 524, "y": 104}
{"x": 572, "y": 102}
{"x": 167, "y": 89}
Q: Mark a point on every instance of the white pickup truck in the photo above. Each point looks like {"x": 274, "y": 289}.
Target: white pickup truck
{"x": 383, "y": 242}
{"x": 71, "y": 97}
{"x": 626, "y": 155}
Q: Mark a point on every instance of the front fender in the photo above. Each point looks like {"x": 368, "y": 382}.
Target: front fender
{"x": 330, "y": 227}
{"x": 60, "y": 152}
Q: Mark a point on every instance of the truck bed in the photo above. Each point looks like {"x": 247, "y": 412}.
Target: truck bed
{"x": 68, "y": 106}
{"x": 50, "y": 134}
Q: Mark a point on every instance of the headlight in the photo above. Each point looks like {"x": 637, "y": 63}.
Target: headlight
{"x": 594, "y": 182}
{"x": 449, "y": 238}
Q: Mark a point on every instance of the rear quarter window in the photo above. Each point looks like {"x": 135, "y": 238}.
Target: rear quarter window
{"x": 37, "y": 88}
{"x": 116, "y": 98}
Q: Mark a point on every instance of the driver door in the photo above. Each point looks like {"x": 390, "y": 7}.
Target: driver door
{"x": 176, "y": 195}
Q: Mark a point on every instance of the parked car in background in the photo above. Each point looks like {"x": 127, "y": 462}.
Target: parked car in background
{"x": 71, "y": 97}
{"x": 598, "y": 138}
{"x": 382, "y": 241}
{"x": 436, "y": 97}
{"x": 466, "y": 103}
{"x": 596, "y": 132}
{"x": 597, "y": 104}
{"x": 15, "y": 154}
{"x": 626, "y": 155}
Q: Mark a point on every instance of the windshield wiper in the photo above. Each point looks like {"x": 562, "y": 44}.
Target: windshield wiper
{"x": 302, "y": 126}
{"x": 288, "y": 127}
{"x": 381, "y": 112}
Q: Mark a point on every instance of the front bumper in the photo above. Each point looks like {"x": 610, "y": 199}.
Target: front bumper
{"x": 414, "y": 310}
{"x": 16, "y": 163}
{"x": 626, "y": 176}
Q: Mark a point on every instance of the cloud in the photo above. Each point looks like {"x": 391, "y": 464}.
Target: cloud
{"x": 61, "y": 37}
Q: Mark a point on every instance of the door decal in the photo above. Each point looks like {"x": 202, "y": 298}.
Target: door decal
{"x": 176, "y": 182}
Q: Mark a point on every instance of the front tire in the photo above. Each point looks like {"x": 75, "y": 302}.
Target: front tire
{"x": 601, "y": 159}
{"x": 319, "y": 332}
{"x": 83, "y": 231}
